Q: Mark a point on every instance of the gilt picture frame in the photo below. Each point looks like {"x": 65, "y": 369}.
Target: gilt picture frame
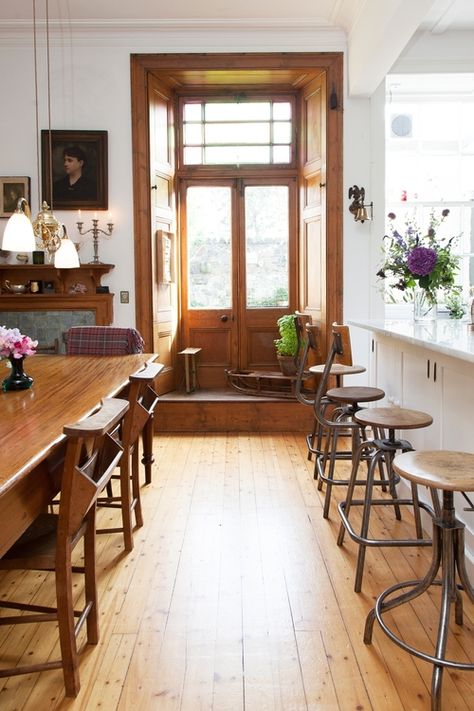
{"x": 75, "y": 169}
{"x": 13, "y": 188}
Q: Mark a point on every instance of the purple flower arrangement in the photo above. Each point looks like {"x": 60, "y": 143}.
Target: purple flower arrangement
{"x": 415, "y": 259}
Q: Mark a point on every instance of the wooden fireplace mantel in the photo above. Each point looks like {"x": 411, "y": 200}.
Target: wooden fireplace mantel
{"x": 63, "y": 281}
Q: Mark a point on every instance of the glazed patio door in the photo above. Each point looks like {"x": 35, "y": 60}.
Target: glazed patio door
{"x": 238, "y": 271}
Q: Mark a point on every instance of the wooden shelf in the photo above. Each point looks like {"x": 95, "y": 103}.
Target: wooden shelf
{"x": 63, "y": 298}
{"x": 89, "y": 275}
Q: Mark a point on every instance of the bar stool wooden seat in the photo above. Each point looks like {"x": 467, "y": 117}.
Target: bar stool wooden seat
{"x": 346, "y": 402}
{"x": 378, "y": 450}
{"x": 449, "y": 472}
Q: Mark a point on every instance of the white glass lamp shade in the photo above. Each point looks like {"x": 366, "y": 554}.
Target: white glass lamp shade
{"x": 18, "y": 235}
{"x": 66, "y": 257}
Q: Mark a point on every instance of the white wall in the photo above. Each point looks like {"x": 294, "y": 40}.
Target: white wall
{"x": 90, "y": 89}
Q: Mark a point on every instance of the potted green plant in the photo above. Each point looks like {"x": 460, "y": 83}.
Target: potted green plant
{"x": 287, "y": 345}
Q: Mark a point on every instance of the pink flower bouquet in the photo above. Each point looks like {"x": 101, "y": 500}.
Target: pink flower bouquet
{"x": 14, "y": 344}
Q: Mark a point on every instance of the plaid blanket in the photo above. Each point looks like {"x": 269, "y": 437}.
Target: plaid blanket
{"x": 103, "y": 340}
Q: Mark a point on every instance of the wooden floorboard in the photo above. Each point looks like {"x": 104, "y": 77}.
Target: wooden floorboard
{"x": 237, "y": 598}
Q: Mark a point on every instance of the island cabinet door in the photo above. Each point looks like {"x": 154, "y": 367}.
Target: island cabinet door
{"x": 386, "y": 369}
{"x": 457, "y": 404}
{"x": 422, "y": 387}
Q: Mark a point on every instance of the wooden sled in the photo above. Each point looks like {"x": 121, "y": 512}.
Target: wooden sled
{"x": 264, "y": 383}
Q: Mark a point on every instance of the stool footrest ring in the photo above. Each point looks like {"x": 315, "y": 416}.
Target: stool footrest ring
{"x": 378, "y": 612}
{"x": 392, "y": 542}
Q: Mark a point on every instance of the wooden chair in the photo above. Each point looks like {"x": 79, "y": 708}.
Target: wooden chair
{"x": 110, "y": 340}
{"x": 138, "y": 420}
{"x": 91, "y": 456}
{"x": 49, "y": 348}
{"x": 103, "y": 340}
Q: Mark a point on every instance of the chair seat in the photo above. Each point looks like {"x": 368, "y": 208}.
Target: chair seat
{"x": 397, "y": 418}
{"x": 355, "y": 393}
{"x": 449, "y": 471}
{"x": 338, "y": 369}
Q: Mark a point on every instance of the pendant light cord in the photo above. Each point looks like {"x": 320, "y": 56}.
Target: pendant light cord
{"x": 50, "y": 143}
{"x": 35, "y": 49}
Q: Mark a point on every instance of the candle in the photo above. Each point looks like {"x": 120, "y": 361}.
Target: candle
{"x": 79, "y": 216}
{"x": 110, "y": 217}
{"x": 95, "y": 216}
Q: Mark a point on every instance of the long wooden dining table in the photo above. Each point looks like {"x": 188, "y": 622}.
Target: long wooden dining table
{"x": 65, "y": 389}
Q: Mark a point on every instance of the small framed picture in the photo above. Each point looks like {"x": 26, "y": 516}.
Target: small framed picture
{"x": 74, "y": 166}
{"x": 11, "y": 190}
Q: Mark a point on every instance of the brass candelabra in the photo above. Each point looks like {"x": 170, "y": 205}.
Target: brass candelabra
{"x": 95, "y": 230}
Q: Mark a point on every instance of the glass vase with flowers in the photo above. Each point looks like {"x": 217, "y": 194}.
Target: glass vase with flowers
{"x": 14, "y": 346}
{"x": 420, "y": 264}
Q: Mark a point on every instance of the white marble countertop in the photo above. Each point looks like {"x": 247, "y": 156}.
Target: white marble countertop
{"x": 453, "y": 338}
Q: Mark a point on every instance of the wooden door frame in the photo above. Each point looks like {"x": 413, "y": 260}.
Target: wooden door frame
{"x": 164, "y": 64}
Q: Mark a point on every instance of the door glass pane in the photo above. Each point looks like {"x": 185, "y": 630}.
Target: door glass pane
{"x": 208, "y": 211}
{"x": 266, "y": 245}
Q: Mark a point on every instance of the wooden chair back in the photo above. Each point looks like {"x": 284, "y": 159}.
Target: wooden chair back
{"x": 137, "y": 421}
{"x": 142, "y": 399}
{"x": 339, "y": 352}
{"x": 91, "y": 456}
{"x": 342, "y": 344}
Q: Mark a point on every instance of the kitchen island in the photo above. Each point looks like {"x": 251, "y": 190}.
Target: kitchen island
{"x": 429, "y": 367}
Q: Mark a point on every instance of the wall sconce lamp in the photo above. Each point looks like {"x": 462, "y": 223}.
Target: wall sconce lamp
{"x": 358, "y": 207}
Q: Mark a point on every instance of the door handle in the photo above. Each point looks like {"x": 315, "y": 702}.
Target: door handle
{"x": 224, "y": 318}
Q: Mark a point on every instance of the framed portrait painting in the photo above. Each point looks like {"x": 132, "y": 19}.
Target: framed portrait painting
{"x": 74, "y": 169}
{"x": 11, "y": 190}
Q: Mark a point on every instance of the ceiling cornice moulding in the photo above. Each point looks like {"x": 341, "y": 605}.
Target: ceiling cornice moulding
{"x": 200, "y": 32}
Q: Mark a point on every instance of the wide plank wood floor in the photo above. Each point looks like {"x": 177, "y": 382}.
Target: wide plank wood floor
{"x": 237, "y": 598}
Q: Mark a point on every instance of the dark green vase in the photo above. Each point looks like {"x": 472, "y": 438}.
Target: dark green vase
{"x": 18, "y": 379}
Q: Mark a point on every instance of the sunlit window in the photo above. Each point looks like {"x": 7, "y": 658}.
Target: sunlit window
{"x": 430, "y": 158}
{"x": 244, "y": 132}
{"x": 266, "y": 246}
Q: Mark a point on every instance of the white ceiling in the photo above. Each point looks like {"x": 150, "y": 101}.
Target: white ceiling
{"x": 441, "y": 16}
{"x": 375, "y": 32}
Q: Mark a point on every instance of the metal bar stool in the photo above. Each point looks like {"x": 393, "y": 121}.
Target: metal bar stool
{"x": 450, "y": 472}
{"x": 346, "y": 402}
{"x": 308, "y": 346}
{"x": 377, "y": 450}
